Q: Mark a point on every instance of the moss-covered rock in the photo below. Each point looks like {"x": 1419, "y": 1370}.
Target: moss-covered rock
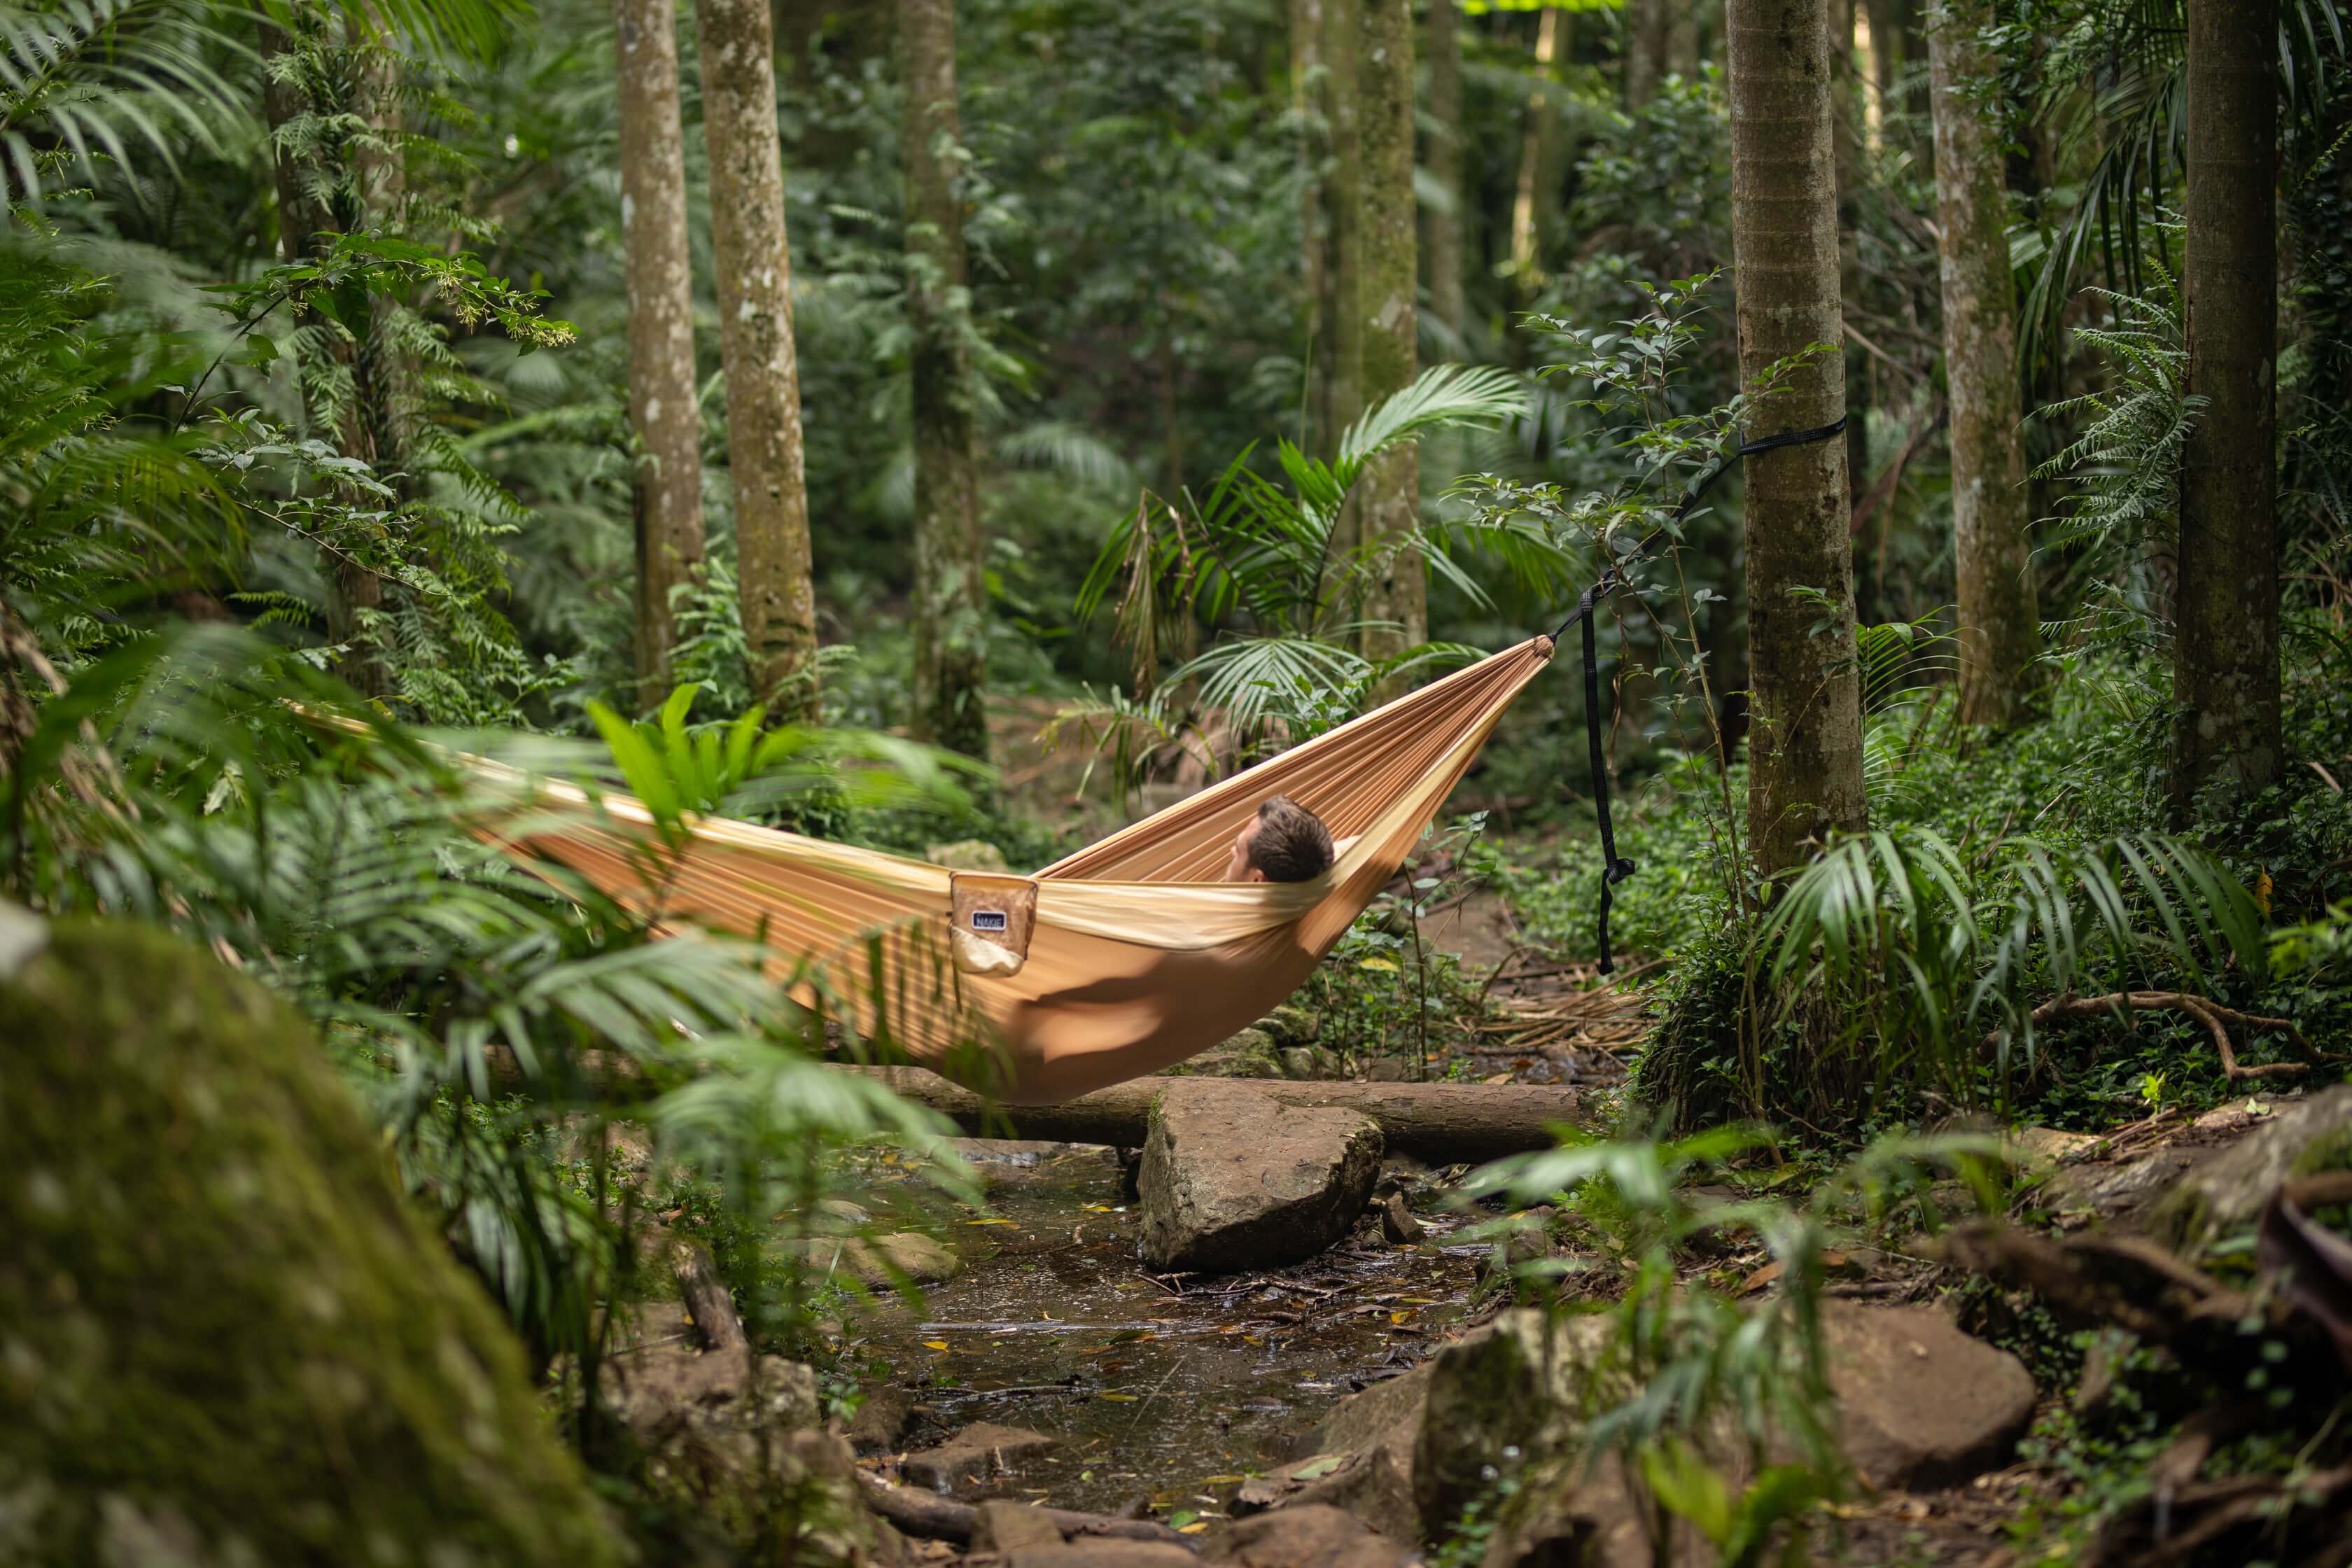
{"x": 225, "y": 1336}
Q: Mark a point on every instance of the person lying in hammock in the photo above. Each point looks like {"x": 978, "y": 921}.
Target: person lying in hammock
{"x": 1285, "y": 842}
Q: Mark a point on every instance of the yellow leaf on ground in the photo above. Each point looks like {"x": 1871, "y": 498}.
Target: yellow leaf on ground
{"x": 935, "y": 1344}
{"x": 1194, "y": 1528}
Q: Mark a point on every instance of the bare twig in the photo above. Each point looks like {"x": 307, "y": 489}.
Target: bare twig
{"x": 2202, "y": 1009}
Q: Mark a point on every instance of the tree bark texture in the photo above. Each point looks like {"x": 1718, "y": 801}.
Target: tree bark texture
{"x": 664, "y": 412}
{"x": 1343, "y": 200}
{"x": 1536, "y": 139}
{"x": 1805, "y": 700}
{"x": 950, "y": 608}
{"x": 1307, "y": 92}
{"x": 1390, "y": 489}
{"x": 1999, "y": 626}
{"x": 2226, "y": 636}
{"x": 753, "y": 262}
{"x": 1649, "y": 28}
{"x": 1437, "y": 1122}
{"x": 1444, "y": 160}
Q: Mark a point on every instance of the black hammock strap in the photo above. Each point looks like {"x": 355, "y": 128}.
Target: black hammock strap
{"x": 1615, "y": 867}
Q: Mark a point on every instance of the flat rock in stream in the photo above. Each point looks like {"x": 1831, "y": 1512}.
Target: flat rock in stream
{"x": 972, "y": 1457}
{"x": 1231, "y": 1180}
{"x": 879, "y": 1262}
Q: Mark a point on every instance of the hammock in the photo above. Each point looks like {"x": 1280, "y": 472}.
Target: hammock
{"x": 1121, "y": 959}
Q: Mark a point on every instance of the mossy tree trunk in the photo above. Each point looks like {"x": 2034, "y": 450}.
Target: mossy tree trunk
{"x": 1805, "y": 702}
{"x": 753, "y": 261}
{"x": 1307, "y": 92}
{"x": 1444, "y": 160}
{"x": 2226, "y": 641}
{"x": 1388, "y": 305}
{"x": 2000, "y": 627}
{"x": 1344, "y": 212}
{"x": 950, "y": 608}
{"x": 664, "y": 414}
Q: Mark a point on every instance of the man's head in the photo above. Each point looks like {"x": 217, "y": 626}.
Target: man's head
{"x": 1285, "y": 842}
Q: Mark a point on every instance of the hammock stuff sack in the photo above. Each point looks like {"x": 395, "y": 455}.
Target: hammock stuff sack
{"x": 1121, "y": 959}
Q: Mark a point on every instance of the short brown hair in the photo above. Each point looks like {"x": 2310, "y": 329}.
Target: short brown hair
{"x": 1292, "y": 845}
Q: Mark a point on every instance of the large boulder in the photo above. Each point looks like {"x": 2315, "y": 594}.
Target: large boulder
{"x": 1919, "y": 1404}
{"x": 1231, "y": 1180}
{"x": 225, "y": 1336}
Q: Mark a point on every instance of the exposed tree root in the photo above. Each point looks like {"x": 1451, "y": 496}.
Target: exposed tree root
{"x": 944, "y": 1519}
{"x": 2204, "y": 1010}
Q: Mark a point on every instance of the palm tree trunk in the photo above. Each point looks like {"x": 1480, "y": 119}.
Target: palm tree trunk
{"x": 2000, "y": 627}
{"x": 753, "y": 262}
{"x": 1389, "y": 308}
{"x": 1805, "y": 709}
{"x": 1444, "y": 160}
{"x": 2226, "y": 639}
{"x": 664, "y": 412}
{"x": 950, "y": 609}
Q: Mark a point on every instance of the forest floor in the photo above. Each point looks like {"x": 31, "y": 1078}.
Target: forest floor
{"x": 1165, "y": 1396}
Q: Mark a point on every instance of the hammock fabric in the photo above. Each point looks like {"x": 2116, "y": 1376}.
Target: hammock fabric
{"x": 1136, "y": 955}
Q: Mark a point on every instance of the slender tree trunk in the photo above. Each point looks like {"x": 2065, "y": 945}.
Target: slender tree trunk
{"x": 1390, "y": 284}
{"x": 1858, "y": 388}
{"x": 1444, "y": 160}
{"x": 1534, "y": 159}
{"x": 1998, "y": 626}
{"x": 1308, "y": 91}
{"x": 1805, "y": 708}
{"x": 1649, "y": 27}
{"x": 2226, "y": 639}
{"x": 1343, "y": 199}
{"x": 950, "y": 609}
{"x": 1682, "y": 37}
{"x": 663, "y": 414}
{"x": 753, "y": 262}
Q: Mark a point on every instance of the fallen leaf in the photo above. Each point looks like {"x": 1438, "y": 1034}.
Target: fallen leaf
{"x": 1385, "y": 965}
{"x": 1316, "y": 1470}
{"x": 1761, "y": 1277}
{"x": 1120, "y": 1398}
{"x": 935, "y": 1344}
{"x": 1194, "y": 1528}
{"x": 992, "y": 1222}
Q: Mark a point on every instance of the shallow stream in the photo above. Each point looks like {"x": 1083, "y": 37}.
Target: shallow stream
{"x": 1164, "y": 1391}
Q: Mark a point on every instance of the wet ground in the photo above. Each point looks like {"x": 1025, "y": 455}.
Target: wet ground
{"x": 1160, "y": 1390}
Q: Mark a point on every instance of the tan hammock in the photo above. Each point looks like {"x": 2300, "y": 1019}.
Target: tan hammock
{"x": 1117, "y": 962}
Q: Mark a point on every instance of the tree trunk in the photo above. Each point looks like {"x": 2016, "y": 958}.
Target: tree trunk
{"x": 1307, "y": 92}
{"x": 1649, "y": 30}
{"x": 1534, "y": 159}
{"x": 1682, "y": 38}
{"x": 764, "y": 456}
{"x": 1390, "y": 489}
{"x": 1343, "y": 198}
{"x": 664, "y": 412}
{"x": 1444, "y": 159}
{"x": 2226, "y": 639}
{"x": 1805, "y": 702}
{"x": 1436, "y": 1123}
{"x": 950, "y": 608}
{"x": 2000, "y": 627}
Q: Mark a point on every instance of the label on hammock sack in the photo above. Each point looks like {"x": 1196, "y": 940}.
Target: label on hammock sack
{"x": 990, "y": 920}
